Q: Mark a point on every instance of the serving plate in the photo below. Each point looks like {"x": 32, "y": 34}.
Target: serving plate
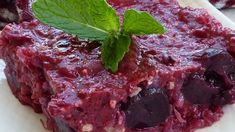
{"x": 19, "y": 118}
{"x": 230, "y": 13}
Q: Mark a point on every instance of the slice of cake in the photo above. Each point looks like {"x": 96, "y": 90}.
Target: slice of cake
{"x": 220, "y": 4}
{"x": 178, "y": 81}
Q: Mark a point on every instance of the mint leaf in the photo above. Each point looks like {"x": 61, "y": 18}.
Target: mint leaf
{"x": 113, "y": 50}
{"x": 141, "y": 23}
{"x": 97, "y": 20}
{"x": 88, "y": 19}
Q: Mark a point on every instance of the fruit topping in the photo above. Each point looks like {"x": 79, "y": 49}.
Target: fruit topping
{"x": 147, "y": 109}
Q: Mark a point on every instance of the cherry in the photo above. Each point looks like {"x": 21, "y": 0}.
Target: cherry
{"x": 221, "y": 62}
{"x": 197, "y": 91}
{"x": 147, "y": 109}
{"x": 212, "y": 87}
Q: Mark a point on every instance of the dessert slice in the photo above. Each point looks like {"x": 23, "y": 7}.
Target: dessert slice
{"x": 223, "y": 3}
{"x": 8, "y": 12}
{"x": 178, "y": 81}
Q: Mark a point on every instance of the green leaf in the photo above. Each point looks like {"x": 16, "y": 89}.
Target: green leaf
{"x": 97, "y": 20}
{"x": 114, "y": 49}
{"x": 141, "y": 23}
{"x": 88, "y": 19}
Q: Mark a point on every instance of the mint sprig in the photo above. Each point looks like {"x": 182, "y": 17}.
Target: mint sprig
{"x": 88, "y": 19}
{"x": 97, "y": 20}
{"x": 141, "y": 23}
{"x": 113, "y": 50}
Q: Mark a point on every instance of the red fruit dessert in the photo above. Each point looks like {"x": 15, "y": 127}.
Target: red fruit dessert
{"x": 223, "y": 3}
{"x": 8, "y": 12}
{"x": 178, "y": 81}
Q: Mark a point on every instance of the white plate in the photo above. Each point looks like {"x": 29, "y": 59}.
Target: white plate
{"x": 18, "y": 118}
{"x": 230, "y": 13}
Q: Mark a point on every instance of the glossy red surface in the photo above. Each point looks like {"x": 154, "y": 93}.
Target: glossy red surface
{"x": 64, "y": 77}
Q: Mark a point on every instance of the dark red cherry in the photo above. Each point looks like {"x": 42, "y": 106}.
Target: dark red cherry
{"x": 147, "y": 109}
{"x": 212, "y": 86}
{"x": 198, "y": 91}
{"x": 221, "y": 63}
